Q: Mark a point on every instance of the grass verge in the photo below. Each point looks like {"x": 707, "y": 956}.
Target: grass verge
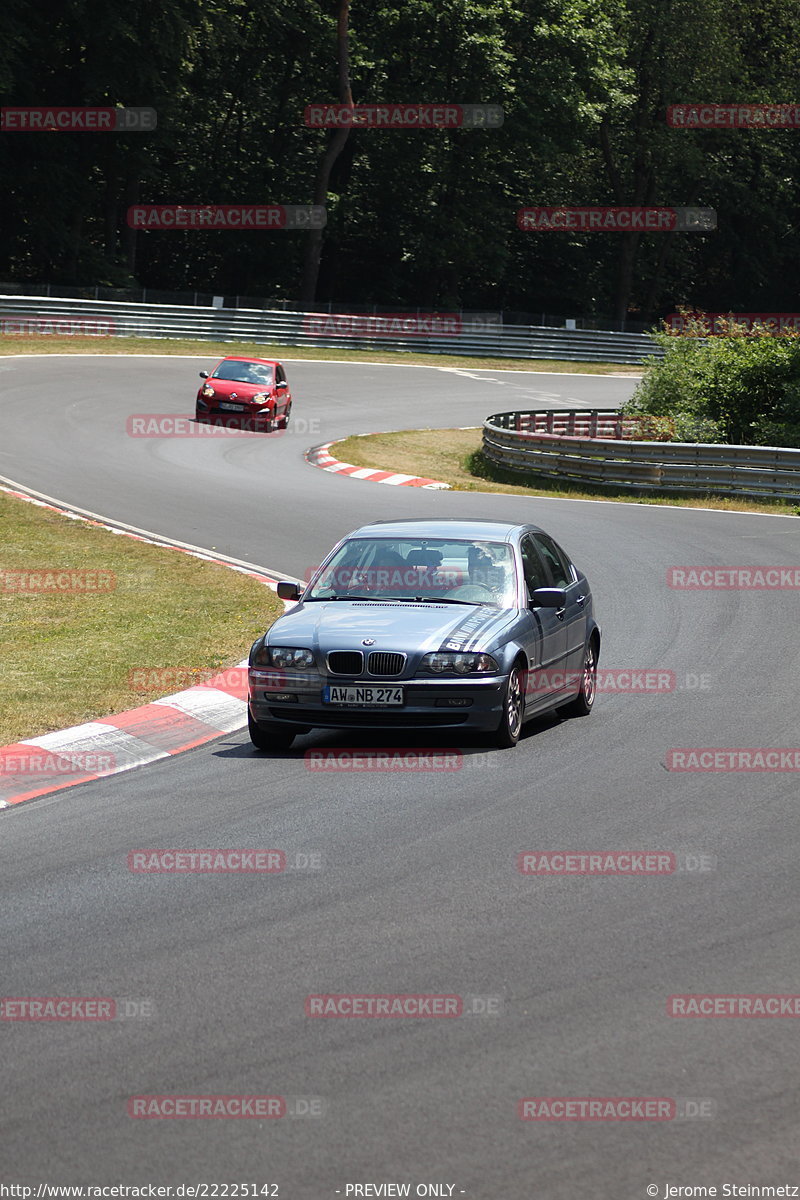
{"x": 69, "y": 657}
{"x": 34, "y": 344}
{"x": 454, "y": 456}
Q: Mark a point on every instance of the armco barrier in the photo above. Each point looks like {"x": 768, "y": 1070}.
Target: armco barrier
{"x": 588, "y": 446}
{"x": 34, "y": 314}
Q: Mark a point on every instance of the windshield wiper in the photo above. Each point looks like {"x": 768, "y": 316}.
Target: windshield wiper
{"x": 432, "y": 600}
{"x": 401, "y": 599}
{"x": 327, "y": 598}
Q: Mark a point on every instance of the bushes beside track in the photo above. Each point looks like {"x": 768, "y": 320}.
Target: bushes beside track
{"x": 741, "y": 388}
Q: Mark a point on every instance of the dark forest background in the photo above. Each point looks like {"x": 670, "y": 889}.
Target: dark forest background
{"x": 414, "y": 218}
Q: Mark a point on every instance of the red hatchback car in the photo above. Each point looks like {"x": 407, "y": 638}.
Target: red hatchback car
{"x": 252, "y": 388}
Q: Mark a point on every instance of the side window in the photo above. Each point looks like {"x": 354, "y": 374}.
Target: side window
{"x": 533, "y": 567}
{"x": 280, "y": 376}
{"x": 556, "y": 560}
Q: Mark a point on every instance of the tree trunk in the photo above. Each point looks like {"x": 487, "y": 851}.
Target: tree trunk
{"x": 627, "y": 261}
{"x": 313, "y": 250}
{"x": 132, "y": 193}
{"x": 658, "y": 274}
{"x": 641, "y": 191}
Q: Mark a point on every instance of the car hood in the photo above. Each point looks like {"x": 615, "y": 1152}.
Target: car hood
{"x": 405, "y": 627}
{"x": 244, "y": 391}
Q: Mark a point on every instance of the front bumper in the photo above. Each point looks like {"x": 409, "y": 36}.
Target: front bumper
{"x": 255, "y": 415}
{"x": 428, "y": 703}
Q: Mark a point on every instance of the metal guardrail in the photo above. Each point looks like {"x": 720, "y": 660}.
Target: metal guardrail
{"x": 539, "y": 443}
{"x": 37, "y": 314}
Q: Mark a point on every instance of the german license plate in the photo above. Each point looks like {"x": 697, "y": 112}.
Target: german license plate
{"x": 362, "y": 697}
{"x": 232, "y": 407}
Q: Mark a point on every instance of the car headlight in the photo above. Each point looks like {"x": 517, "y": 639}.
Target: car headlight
{"x": 462, "y": 664}
{"x": 260, "y": 657}
{"x": 208, "y": 390}
{"x": 288, "y": 656}
{"x": 261, "y": 397}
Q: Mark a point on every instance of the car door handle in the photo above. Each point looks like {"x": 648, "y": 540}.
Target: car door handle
{"x": 580, "y": 601}
{"x": 560, "y": 613}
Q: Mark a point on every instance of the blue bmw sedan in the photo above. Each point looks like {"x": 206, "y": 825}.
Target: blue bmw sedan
{"x": 448, "y": 624}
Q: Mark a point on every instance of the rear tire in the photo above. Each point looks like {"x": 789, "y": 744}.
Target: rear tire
{"x": 581, "y": 706}
{"x": 510, "y": 727}
{"x": 268, "y": 737}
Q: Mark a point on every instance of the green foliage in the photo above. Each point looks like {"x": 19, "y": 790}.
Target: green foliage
{"x": 742, "y": 388}
{"x": 645, "y": 427}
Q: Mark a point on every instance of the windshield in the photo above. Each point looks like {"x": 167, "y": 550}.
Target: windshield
{"x": 242, "y": 372}
{"x": 420, "y": 569}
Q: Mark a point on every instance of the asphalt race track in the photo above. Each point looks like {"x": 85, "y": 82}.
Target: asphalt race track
{"x": 418, "y": 890}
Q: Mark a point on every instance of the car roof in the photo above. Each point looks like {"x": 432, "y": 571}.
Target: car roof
{"x": 479, "y": 529}
{"x": 269, "y": 362}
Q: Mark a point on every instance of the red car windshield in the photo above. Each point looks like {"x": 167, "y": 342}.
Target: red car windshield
{"x": 242, "y": 372}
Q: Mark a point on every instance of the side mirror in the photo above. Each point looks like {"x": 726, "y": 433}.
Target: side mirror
{"x": 548, "y": 598}
{"x": 282, "y": 384}
{"x": 288, "y": 591}
{"x": 204, "y": 374}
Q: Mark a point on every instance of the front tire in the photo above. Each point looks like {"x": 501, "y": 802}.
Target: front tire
{"x": 268, "y": 737}
{"x": 283, "y": 422}
{"x": 510, "y": 726}
{"x": 581, "y": 706}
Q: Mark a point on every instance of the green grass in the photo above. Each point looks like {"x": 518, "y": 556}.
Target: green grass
{"x": 68, "y": 658}
{"x": 454, "y": 456}
{"x": 32, "y": 344}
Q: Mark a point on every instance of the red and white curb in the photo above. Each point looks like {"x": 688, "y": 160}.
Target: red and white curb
{"x": 159, "y": 729}
{"x": 319, "y": 456}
